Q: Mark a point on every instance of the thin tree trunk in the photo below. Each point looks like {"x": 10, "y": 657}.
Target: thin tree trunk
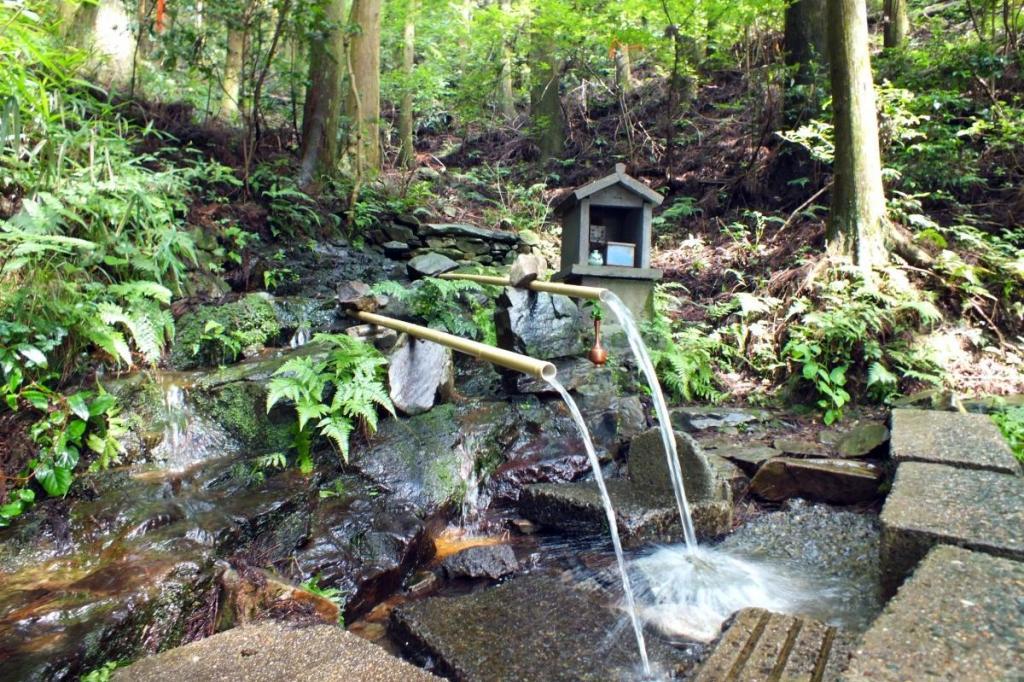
{"x": 363, "y": 103}
{"x": 545, "y": 100}
{"x": 857, "y": 225}
{"x": 623, "y": 68}
{"x": 322, "y": 109}
{"x": 897, "y": 23}
{"x": 231, "y": 83}
{"x": 506, "y": 95}
{"x": 407, "y": 152}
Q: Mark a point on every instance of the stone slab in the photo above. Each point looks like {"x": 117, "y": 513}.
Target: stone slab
{"x": 960, "y": 617}
{"x": 966, "y": 441}
{"x": 641, "y": 518}
{"x": 270, "y": 652}
{"x": 837, "y": 481}
{"x": 932, "y": 504}
{"x": 761, "y": 645}
{"x": 531, "y": 628}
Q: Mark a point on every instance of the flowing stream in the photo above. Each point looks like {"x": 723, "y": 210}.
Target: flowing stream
{"x": 612, "y": 525}
{"x": 668, "y": 439}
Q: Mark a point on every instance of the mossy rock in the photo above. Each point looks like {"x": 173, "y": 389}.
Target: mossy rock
{"x": 250, "y": 321}
{"x": 240, "y": 407}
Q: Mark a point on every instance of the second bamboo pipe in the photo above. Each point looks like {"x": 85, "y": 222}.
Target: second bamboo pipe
{"x": 570, "y": 290}
{"x": 540, "y": 369}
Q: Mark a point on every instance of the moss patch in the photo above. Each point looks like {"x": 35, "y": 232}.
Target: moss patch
{"x": 248, "y": 322}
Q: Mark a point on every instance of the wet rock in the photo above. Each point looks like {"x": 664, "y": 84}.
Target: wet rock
{"x": 529, "y": 628}
{"x": 649, "y": 472}
{"x": 747, "y": 457}
{"x": 356, "y": 296}
{"x": 933, "y": 504}
{"x": 641, "y": 517}
{"x": 272, "y": 651}
{"x": 420, "y": 373}
{"x": 763, "y": 645}
{"x": 382, "y": 338}
{"x": 396, "y": 249}
{"x": 252, "y": 594}
{"x": 969, "y": 441}
{"x": 573, "y": 373}
{"x": 863, "y": 440}
{"x": 297, "y": 314}
{"x": 398, "y": 232}
{"x": 957, "y": 618}
{"x": 829, "y": 553}
{"x": 737, "y": 480}
{"x": 526, "y": 269}
{"x": 538, "y": 324}
{"x": 700, "y": 418}
{"x": 795, "y": 447}
{"x": 828, "y": 480}
{"x": 430, "y": 264}
{"x": 485, "y": 561}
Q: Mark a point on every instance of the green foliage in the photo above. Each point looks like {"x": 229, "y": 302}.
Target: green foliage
{"x": 443, "y": 304}
{"x": 1010, "y": 421}
{"x": 102, "y": 673}
{"x": 215, "y": 335}
{"x": 331, "y": 594}
{"x": 683, "y": 356}
{"x": 334, "y": 394}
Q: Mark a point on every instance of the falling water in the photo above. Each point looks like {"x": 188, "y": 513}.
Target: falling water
{"x": 595, "y": 465}
{"x": 188, "y": 437}
{"x": 643, "y": 359}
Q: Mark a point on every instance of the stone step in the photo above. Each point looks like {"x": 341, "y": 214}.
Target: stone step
{"x": 761, "y": 645}
{"x": 932, "y": 504}
{"x": 960, "y": 617}
{"x": 270, "y": 652}
{"x": 962, "y": 440}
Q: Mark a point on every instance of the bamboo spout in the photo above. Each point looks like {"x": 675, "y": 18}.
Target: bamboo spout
{"x": 570, "y": 290}
{"x": 540, "y": 369}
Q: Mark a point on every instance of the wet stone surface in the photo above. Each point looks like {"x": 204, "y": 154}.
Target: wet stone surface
{"x": 538, "y": 324}
{"x": 933, "y": 504}
{"x": 641, "y": 517}
{"x": 835, "y": 552}
{"x": 271, "y": 652}
{"x": 959, "y": 617}
{"x": 967, "y": 441}
{"x": 830, "y": 480}
{"x": 530, "y": 628}
{"x": 649, "y": 470}
{"x": 485, "y": 561}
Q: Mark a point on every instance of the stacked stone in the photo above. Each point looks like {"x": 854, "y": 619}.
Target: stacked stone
{"x": 407, "y": 237}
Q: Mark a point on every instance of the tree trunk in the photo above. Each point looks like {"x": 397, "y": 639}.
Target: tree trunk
{"x": 66, "y": 10}
{"x": 545, "y": 101}
{"x": 623, "y": 68}
{"x": 231, "y": 83}
{"x": 857, "y": 226}
{"x": 506, "y": 95}
{"x": 407, "y": 152}
{"x": 897, "y": 23}
{"x": 322, "y": 109}
{"x": 82, "y": 29}
{"x": 805, "y": 40}
{"x": 363, "y": 104}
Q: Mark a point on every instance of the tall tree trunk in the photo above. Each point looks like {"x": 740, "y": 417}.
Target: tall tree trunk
{"x": 506, "y": 95}
{"x": 623, "y": 68}
{"x": 805, "y": 40}
{"x": 231, "y": 82}
{"x": 897, "y": 23}
{"x": 66, "y": 10}
{"x": 82, "y": 29}
{"x": 407, "y": 152}
{"x": 322, "y": 109}
{"x": 545, "y": 100}
{"x": 363, "y": 103}
{"x": 857, "y": 226}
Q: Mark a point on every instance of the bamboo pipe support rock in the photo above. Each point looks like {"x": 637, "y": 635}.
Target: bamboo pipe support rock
{"x": 540, "y": 369}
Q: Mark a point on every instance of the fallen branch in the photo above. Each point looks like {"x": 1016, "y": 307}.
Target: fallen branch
{"x": 804, "y": 205}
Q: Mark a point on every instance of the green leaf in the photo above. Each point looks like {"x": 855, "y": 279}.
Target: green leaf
{"x": 55, "y": 480}
{"x": 77, "y": 403}
{"x": 101, "y": 404}
{"x": 75, "y": 429}
{"x": 33, "y": 355}
{"x": 36, "y": 399}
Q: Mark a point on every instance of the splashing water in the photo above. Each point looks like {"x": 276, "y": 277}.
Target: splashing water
{"x": 643, "y": 359}
{"x": 690, "y": 592}
{"x": 188, "y": 437}
{"x": 595, "y": 465}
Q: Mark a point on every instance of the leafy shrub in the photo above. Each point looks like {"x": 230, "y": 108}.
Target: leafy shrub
{"x": 442, "y": 304}
{"x": 1010, "y": 421}
{"x": 335, "y": 394}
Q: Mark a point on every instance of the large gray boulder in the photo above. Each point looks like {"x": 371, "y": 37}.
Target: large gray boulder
{"x": 430, "y": 264}
{"x": 538, "y": 324}
{"x": 420, "y": 373}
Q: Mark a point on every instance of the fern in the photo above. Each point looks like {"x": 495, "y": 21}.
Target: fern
{"x": 353, "y": 374}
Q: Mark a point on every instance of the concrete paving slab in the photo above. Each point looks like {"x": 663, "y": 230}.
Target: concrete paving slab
{"x": 966, "y": 441}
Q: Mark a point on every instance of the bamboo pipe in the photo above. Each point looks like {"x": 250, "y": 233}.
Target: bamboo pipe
{"x": 570, "y": 290}
{"x": 540, "y": 369}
